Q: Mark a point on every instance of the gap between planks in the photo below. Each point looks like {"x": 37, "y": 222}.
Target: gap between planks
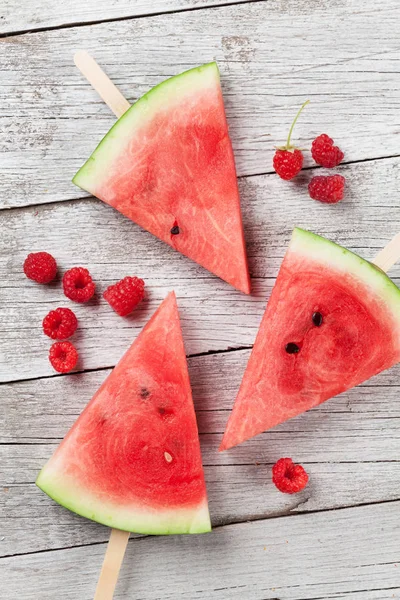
{"x": 291, "y": 513}
{"x": 188, "y": 356}
{"x": 32, "y": 30}
{"x": 239, "y": 177}
{"x": 109, "y": 367}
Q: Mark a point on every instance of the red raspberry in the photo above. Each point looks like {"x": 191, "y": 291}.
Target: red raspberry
{"x": 288, "y": 477}
{"x": 125, "y": 295}
{"x": 287, "y": 163}
{"x": 63, "y": 356}
{"x": 40, "y": 267}
{"x": 288, "y": 160}
{"x": 329, "y": 189}
{"x": 78, "y": 284}
{"x": 60, "y": 324}
{"x": 325, "y": 153}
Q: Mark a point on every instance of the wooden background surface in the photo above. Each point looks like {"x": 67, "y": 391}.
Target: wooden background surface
{"x": 340, "y": 537}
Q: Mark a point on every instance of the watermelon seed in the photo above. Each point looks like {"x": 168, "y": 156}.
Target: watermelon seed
{"x": 317, "y": 319}
{"x": 165, "y": 413}
{"x": 168, "y": 457}
{"x": 144, "y": 393}
{"x": 175, "y": 230}
{"x": 292, "y": 348}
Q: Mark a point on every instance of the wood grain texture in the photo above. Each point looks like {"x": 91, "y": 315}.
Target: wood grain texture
{"x": 308, "y": 557}
{"x": 343, "y": 56}
{"x": 49, "y": 13}
{"x": 214, "y": 316}
{"x": 347, "y": 445}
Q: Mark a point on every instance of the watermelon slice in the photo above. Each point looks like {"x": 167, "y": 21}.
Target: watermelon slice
{"x": 333, "y": 321}
{"x": 168, "y": 165}
{"x": 132, "y": 460}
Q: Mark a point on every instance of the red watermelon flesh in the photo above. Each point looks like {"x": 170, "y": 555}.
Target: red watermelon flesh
{"x": 359, "y": 335}
{"x": 132, "y": 460}
{"x": 168, "y": 164}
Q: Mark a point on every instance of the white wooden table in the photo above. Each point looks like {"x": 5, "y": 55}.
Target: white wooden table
{"x": 340, "y": 537}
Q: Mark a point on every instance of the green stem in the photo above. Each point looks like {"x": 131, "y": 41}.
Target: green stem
{"x": 294, "y": 123}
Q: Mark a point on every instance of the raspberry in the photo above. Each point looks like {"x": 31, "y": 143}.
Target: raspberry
{"x": 325, "y": 153}
{"x": 329, "y": 189}
{"x": 40, "y": 267}
{"x": 63, "y": 356}
{"x": 288, "y": 160}
{"x": 78, "y": 284}
{"x": 287, "y": 163}
{"x": 288, "y": 477}
{"x": 125, "y": 295}
{"x": 60, "y": 324}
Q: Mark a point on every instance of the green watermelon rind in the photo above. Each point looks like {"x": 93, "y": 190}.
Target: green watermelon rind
{"x": 146, "y": 521}
{"x": 164, "y": 94}
{"x": 333, "y": 255}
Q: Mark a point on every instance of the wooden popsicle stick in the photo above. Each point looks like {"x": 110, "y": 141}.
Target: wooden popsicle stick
{"x": 389, "y": 255}
{"x": 101, "y": 83}
{"x": 112, "y": 564}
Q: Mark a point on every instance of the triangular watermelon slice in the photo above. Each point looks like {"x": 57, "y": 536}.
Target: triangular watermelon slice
{"x": 333, "y": 321}
{"x": 168, "y": 165}
{"x": 132, "y": 460}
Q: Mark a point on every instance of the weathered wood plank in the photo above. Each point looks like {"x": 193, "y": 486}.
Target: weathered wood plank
{"x": 342, "y": 56}
{"x": 214, "y": 316}
{"x": 346, "y": 445}
{"x": 15, "y": 17}
{"x": 326, "y": 555}
{"x": 236, "y": 493}
{"x": 42, "y": 410}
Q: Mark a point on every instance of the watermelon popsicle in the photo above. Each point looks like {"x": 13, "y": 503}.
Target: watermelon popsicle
{"x": 132, "y": 460}
{"x": 168, "y": 165}
{"x": 332, "y": 322}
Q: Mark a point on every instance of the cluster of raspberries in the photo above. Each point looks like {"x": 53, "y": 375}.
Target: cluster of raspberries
{"x": 288, "y": 162}
{"x": 78, "y": 285}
